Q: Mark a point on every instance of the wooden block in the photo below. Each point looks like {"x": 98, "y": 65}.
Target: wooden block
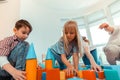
{"x": 48, "y": 64}
{"x": 39, "y": 73}
{"x": 31, "y": 69}
{"x": 62, "y": 75}
{"x": 53, "y": 74}
{"x": 80, "y": 75}
{"x": 89, "y": 74}
{"x": 101, "y": 75}
{"x": 111, "y": 74}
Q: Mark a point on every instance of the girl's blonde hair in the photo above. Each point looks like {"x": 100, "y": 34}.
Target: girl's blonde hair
{"x": 74, "y": 25}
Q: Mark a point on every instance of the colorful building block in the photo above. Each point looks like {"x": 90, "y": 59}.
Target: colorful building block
{"x": 53, "y": 74}
{"x": 31, "y": 64}
{"x": 111, "y": 74}
{"x": 89, "y": 74}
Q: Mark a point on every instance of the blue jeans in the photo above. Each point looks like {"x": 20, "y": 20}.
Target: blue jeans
{"x": 94, "y": 54}
{"x": 17, "y": 57}
{"x": 55, "y": 57}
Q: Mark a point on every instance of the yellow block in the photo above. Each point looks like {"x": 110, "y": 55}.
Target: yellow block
{"x": 31, "y": 69}
{"x": 62, "y": 75}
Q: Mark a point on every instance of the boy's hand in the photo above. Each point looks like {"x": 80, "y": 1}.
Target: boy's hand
{"x": 104, "y": 25}
{"x": 19, "y": 75}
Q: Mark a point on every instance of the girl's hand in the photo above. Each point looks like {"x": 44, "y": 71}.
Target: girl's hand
{"x": 96, "y": 67}
{"x": 19, "y": 75}
{"x": 70, "y": 70}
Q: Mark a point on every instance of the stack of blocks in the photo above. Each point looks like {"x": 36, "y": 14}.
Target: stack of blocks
{"x": 50, "y": 73}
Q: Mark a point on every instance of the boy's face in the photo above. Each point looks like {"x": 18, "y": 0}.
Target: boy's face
{"x": 22, "y": 33}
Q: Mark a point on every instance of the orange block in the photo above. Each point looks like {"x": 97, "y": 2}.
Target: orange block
{"x": 48, "y": 64}
{"x": 89, "y": 74}
{"x": 39, "y": 73}
{"x": 101, "y": 75}
{"x": 80, "y": 75}
{"x": 31, "y": 69}
{"x": 53, "y": 74}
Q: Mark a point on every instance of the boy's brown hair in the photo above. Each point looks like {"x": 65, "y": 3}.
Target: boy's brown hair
{"x": 23, "y": 23}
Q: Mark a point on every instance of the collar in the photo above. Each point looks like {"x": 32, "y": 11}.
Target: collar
{"x": 16, "y": 38}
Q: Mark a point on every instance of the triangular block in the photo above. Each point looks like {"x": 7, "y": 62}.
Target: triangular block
{"x": 31, "y": 52}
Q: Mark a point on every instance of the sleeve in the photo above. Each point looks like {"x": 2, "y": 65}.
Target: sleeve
{"x": 75, "y": 49}
{"x": 3, "y": 61}
{"x": 58, "y": 48}
{"x": 61, "y": 48}
{"x": 5, "y": 47}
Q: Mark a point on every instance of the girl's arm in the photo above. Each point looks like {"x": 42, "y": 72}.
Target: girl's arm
{"x": 92, "y": 61}
{"x": 76, "y": 60}
{"x": 65, "y": 61}
{"x": 70, "y": 69}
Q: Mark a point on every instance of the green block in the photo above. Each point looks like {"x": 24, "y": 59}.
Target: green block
{"x": 111, "y": 74}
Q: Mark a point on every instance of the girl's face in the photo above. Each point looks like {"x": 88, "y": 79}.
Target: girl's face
{"x": 70, "y": 33}
{"x": 22, "y": 33}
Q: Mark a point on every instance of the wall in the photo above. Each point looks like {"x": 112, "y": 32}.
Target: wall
{"x": 9, "y": 14}
{"x": 46, "y": 22}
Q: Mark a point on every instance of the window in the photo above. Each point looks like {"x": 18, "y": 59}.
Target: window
{"x": 115, "y": 12}
{"x": 116, "y": 18}
{"x": 98, "y": 36}
{"x": 83, "y": 32}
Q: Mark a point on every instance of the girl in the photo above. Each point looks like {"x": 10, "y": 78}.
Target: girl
{"x": 70, "y": 44}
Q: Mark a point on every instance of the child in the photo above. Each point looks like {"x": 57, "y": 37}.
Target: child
{"x": 70, "y": 44}
{"x": 112, "y": 48}
{"x": 92, "y": 53}
{"x": 13, "y": 51}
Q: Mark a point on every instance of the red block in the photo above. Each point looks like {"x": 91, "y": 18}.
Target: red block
{"x": 101, "y": 75}
{"x": 53, "y": 74}
{"x": 39, "y": 73}
{"x": 89, "y": 74}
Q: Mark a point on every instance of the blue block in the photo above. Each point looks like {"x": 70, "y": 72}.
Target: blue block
{"x": 117, "y": 68}
{"x": 84, "y": 68}
{"x": 74, "y": 78}
{"x": 106, "y": 67}
{"x": 44, "y": 76}
{"x": 111, "y": 74}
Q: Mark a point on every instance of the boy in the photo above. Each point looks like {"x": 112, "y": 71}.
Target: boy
{"x": 13, "y": 51}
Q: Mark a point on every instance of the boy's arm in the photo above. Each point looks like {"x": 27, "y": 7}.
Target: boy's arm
{"x": 16, "y": 74}
{"x": 3, "y": 61}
